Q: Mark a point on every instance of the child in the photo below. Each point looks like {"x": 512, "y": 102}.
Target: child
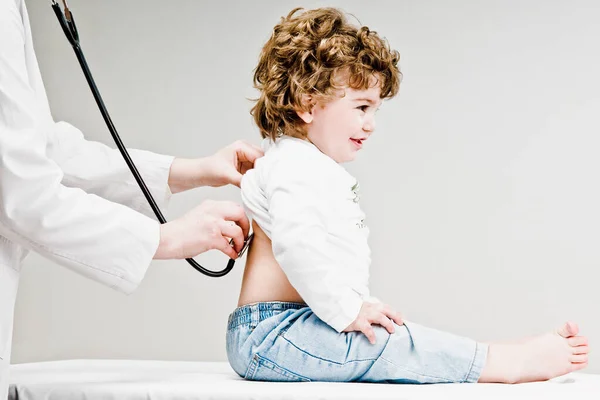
{"x": 305, "y": 312}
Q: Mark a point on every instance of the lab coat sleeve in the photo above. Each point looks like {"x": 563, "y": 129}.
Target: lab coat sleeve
{"x": 101, "y": 170}
{"x": 102, "y": 240}
{"x": 298, "y": 209}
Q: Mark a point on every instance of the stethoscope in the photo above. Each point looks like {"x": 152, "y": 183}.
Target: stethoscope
{"x": 68, "y": 25}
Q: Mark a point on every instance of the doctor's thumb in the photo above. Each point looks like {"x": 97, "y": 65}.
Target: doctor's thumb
{"x": 235, "y": 179}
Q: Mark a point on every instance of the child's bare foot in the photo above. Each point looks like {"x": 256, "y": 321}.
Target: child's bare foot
{"x": 537, "y": 359}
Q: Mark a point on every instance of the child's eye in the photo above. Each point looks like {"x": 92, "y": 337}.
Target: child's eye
{"x": 363, "y": 108}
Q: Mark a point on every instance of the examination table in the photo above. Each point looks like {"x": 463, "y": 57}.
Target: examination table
{"x": 153, "y": 380}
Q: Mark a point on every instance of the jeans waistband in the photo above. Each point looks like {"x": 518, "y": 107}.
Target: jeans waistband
{"x": 257, "y": 312}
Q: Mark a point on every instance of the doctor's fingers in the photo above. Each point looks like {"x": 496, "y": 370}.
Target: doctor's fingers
{"x": 223, "y": 245}
{"x": 229, "y": 229}
{"x": 247, "y": 152}
{"x": 245, "y": 167}
{"x": 230, "y": 211}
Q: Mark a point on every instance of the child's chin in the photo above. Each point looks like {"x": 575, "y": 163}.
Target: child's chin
{"x": 348, "y": 158}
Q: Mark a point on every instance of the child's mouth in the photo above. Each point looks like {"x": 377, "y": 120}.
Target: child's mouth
{"x": 357, "y": 142}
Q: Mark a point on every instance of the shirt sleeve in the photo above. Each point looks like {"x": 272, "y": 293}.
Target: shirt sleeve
{"x": 101, "y": 170}
{"x": 298, "y": 208}
{"x": 97, "y": 238}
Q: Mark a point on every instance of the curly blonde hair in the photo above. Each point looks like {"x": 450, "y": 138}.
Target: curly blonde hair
{"x": 316, "y": 53}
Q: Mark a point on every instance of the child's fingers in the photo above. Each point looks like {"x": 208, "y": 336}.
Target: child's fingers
{"x": 397, "y": 318}
{"x": 386, "y": 323}
{"x": 367, "y": 329}
{"x": 392, "y": 314}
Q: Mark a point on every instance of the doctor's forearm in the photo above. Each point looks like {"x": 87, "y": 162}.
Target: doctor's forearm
{"x": 187, "y": 174}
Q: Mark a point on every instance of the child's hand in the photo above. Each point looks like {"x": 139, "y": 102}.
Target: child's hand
{"x": 374, "y": 313}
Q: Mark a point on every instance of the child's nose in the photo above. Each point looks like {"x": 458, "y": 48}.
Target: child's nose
{"x": 369, "y": 125}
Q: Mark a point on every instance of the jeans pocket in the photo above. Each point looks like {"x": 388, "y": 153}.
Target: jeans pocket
{"x": 263, "y": 369}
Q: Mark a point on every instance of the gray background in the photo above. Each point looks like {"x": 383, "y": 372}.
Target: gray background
{"x": 480, "y": 185}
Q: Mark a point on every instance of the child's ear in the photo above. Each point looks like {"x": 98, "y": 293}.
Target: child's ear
{"x": 306, "y": 116}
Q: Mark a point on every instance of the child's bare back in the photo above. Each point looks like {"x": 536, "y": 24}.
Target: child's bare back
{"x": 264, "y": 280}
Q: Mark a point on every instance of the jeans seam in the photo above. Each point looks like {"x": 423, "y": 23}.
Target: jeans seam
{"x": 324, "y": 359}
{"x": 387, "y": 342}
{"x": 414, "y": 372}
{"x": 261, "y": 361}
{"x": 381, "y": 357}
{"x": 251, "y": 370}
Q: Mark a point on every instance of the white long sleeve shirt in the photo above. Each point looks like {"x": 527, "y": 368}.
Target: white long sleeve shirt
{"x": 72, "y": 201}
{"x": 307, "y": 204}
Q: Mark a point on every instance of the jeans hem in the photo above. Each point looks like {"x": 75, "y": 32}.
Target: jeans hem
{"x": 479, "y": 359}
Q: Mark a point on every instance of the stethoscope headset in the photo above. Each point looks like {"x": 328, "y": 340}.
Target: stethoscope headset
{"x": 68, "y": 26}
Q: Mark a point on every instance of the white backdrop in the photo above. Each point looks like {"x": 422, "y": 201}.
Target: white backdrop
{"x": 480, "y": 186}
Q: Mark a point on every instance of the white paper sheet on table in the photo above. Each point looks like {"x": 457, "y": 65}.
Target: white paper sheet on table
{"x": 162, "y": 380}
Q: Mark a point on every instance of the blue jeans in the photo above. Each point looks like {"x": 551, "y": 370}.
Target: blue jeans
{"x": 287, "y": 342}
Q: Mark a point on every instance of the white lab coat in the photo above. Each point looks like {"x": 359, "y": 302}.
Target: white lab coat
{"x": 74, "y": 202}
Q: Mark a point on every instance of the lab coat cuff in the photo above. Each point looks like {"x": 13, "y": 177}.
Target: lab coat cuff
{"x": 147, "y": 231}
{"x": 155, "y": 169}
{"x": 348, "y": 309}
{"x": 371, "y": 299}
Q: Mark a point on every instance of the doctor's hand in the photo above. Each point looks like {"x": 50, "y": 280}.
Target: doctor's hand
{"x": 222, "y": 168}
{"x": 375, "y": 313}
{"x": 206, "y": 227}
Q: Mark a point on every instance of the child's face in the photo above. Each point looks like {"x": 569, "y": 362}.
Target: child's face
{"x": 339, "y": 128}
